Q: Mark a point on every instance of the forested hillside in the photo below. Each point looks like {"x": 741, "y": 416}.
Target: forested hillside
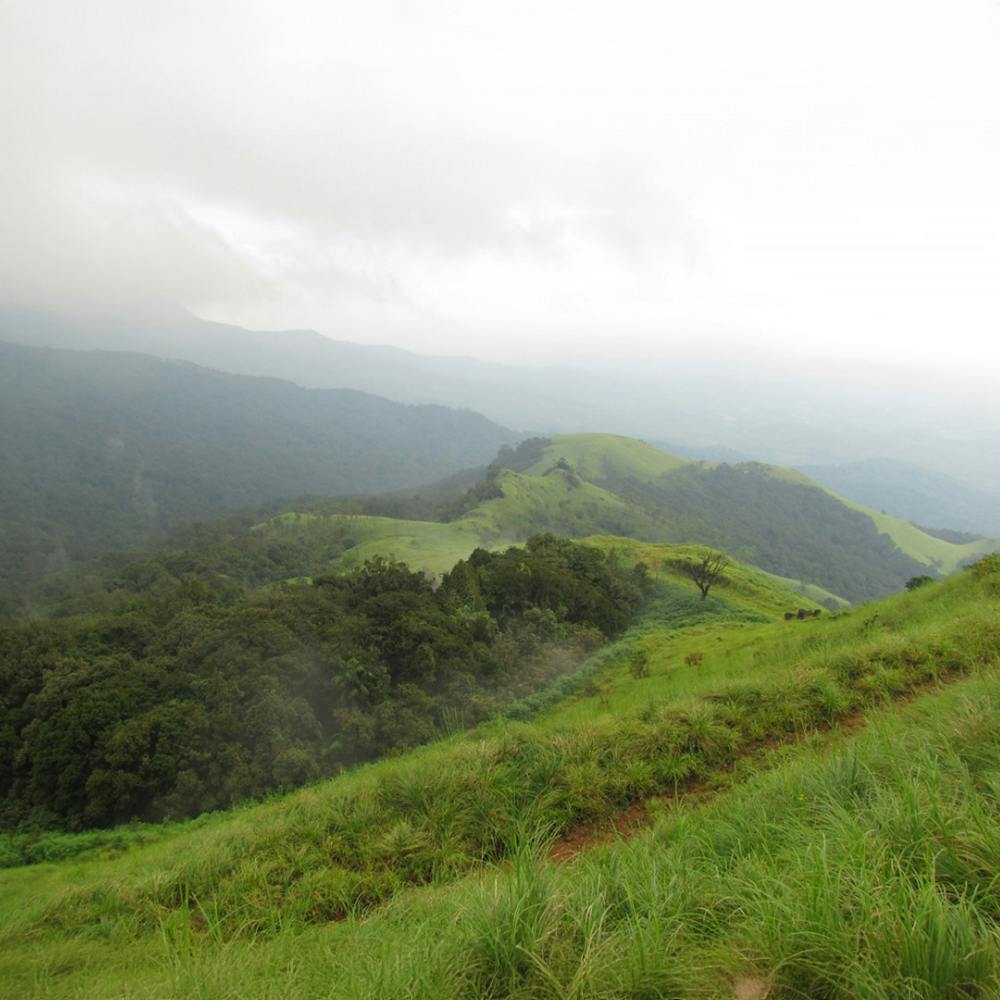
{"x": 787, "y": 527}
{"x": 109, "y": 451}
{"x": 198, "y": 696}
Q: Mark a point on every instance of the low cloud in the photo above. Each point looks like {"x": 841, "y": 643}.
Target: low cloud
{"x": 512, "y": 182}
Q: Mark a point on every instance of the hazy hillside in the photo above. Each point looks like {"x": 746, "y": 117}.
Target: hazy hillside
{"x": 788, "y": 412}
{"x": 575, "y": 485}
{"x": 107, "y": 450}
{"x": 913, "y": 493}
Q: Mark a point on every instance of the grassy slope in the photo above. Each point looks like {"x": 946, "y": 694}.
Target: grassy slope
{"x": 555, "y": 502}
{"x": 607, "y": 456}
{"x": 935, "y": 553}
{"x": 545, "y": 498}
{"x": 742, "y": 587}
{"x": 811, "y": 591}
{"x": 426, "y": 545}
{"x": 788, "y": 868}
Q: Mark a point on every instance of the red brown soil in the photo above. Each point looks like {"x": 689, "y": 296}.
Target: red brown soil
{"x": 589, "y": 835}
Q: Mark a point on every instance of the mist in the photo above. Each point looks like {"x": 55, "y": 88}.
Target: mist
{"x": 564, "y": 184}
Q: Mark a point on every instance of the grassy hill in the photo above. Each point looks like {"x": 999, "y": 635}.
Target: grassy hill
{"x": 811, "y": 540}
{"x": 587, "y": 484}
{"x": 727, "y": 805}
{"x": 913, "y": 493}
{"x": 110, "y": 451}
{"x": 606, "y": 457}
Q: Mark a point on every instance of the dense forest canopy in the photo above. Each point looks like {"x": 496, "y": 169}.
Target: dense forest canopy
{"x": 199, "y": 697}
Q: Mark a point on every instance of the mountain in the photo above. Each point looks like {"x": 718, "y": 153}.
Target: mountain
{"x": 710, "y": 400}
{"x": 913, "y": 493}
{"x": 599, "y": 484}
{"x": 583, "y": 485}
{"x": 108, "y": 450}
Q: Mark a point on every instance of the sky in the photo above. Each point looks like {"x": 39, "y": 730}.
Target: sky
{"x": 519, "y": 181}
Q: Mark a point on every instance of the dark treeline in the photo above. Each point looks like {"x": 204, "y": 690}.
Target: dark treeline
{"x": 190, "y": 700}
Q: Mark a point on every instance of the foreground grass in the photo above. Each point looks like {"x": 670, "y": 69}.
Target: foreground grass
{"x": 347, "y": 846}
{"x": 865, "y": 871}
{"x": 399, "y": 855}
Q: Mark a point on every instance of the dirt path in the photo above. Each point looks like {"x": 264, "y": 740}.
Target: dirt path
{"x": 696, "y": 792}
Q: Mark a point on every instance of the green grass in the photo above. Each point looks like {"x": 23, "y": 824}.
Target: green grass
{"x": 599, "y": 457}
{"x": 741, "y": 586}
{"x": 810, "y": 591}
{"x": 935, "y": 553}
{"x": 867, "y": 871}
{"x": 529, "y": 505}
{"x": 423, "y": 545}
{"x": 571, "y": 502}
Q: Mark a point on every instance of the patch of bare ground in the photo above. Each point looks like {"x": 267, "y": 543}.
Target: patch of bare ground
{"x": 751, "y": 988}
{"x": 585, "y": 836}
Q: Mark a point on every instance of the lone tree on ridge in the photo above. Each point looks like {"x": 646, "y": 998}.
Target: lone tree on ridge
{"x": 706, "y": 573}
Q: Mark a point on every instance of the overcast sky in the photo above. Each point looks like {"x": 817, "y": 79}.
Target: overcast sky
{"x": 517, "y": 180}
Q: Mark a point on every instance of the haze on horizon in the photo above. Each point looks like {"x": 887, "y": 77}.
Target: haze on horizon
{"x": 525, "y": 183}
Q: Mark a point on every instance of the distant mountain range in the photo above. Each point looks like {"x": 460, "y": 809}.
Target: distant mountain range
{"x": 105, "y": 450}
{"x": 583, "y": 485}
{"x": 113, "y": 450}
{"x": 782, "y": 411}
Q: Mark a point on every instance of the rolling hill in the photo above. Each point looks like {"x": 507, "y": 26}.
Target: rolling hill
{"x": 105, "y": 450}
{"x": 596, "y": 484}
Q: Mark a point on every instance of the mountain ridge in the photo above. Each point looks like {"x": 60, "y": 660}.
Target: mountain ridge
{"x": 113, "y": 449}
{"x": 770, "y": 518}
{"x": 789, "y": 413}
